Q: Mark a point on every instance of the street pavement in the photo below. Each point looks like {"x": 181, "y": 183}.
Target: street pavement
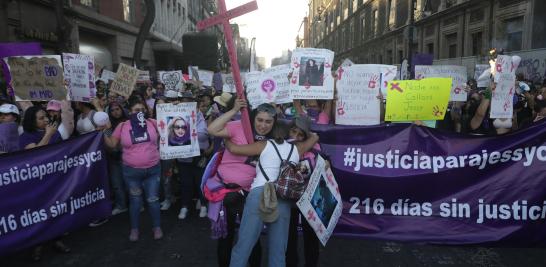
{"x": 187, "y": 243}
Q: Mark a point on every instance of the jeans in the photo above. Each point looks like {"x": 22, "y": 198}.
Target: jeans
{"x": 251, "y": 227}
{"x": 311, "y": 242}
{"x": 234, "y": 203}
{"x": 166, "y": 177}
{"x": 118, "y": 185}
{"x": 190, "y": 180}
{"x": 137, "y": 181}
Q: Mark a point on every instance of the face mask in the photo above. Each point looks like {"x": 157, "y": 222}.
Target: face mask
{"x": 139, "y": 131}
{"x": 313, "y": 113}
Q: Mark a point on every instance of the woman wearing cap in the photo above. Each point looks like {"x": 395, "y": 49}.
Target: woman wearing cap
{"x": 9, "y": 122}
{"x": 267, "y": 171}
{"x": 138, "y": 138}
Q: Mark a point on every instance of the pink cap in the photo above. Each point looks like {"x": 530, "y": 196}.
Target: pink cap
{"x": 54, "y": 105}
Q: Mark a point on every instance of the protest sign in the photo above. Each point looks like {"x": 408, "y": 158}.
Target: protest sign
{"x": 9, "y": 137}
{"x": 79, "y": 75}
{"x": 193, "y": 72}
{"x": 51, "y": 190}
{"x": 275, "y": 86}
{"x": 357, "y": 88}
{"x": 416, "y": 184}
{"x": 206, "y": 77}
{"x": 253, "y": 91}
{"x": 311, "y": 74}
{"x": 143, "y": 76}
{"x": 482, "y": 80}
{"x": 388, "y": 73}
{"x": 125, "y": 80}
{"x": 16, "y": 49}
{"x": 321, "y": 203}
{"x": 479, "y": 69}
{"x": 177, "y": 125}
{"x": 107, "y": 75}
{"x": 228, "y": 83}
{"x": 37, "y": 78}
{"x": 424, "y": 99}
{"x": 457, "y": 73}
{"x": 172, "y": 80}
{"x": 502, "y": 98}
{"x": 346, "y": 63}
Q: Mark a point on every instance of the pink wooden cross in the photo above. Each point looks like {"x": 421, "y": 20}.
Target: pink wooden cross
{"x": 223, "y": 18}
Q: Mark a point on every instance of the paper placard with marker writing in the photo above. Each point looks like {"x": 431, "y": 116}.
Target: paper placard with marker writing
{"x": 79, "y": 75}
{"x": 424, "y": 99}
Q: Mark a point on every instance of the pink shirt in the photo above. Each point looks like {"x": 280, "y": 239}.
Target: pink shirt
{"x": 142, "y": 155}
{"x": 323, "y": 118}
{"x": 233, "y": 169}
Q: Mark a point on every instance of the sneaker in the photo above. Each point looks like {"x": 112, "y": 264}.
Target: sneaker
{"x": 158, "y": 234}
{"x": 203, "y": 213}
{"x": 117, "y": 211}
{"x": 165, "y": 205}
{"x": 98, "y": 222}
{"x": 183, "y": 213}
{"x": 133, "y": 236}
{"x": 198, "y": 204}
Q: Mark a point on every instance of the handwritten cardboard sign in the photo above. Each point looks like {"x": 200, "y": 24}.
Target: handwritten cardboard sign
{"x": 253, "y": 91}
{"x": 107, "y": 75}
{"x": 312, "y": 74}
{"x": 358, "y": 87}
{"x": 424, "y": 99}
{"x": 173, "y": 80}
{"x": 125, "y": 80}
{"x": 143, "y": 76}
{"x": 37, "y": 78}
{"x": 79, "y": 75}
{"x": 206, "y": 76}
{"x": 502, "y": 98}
{"x": 457, "y": 73}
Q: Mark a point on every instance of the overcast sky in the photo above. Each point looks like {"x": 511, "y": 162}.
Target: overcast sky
{"x": 275, "y": 25}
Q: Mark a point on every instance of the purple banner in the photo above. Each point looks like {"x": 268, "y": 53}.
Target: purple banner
{"x": 420, "y": 59}
{"x": 17, "y": 49}
{"x": 48, "y": 191}
{"x": 9, "y": 137}
{"x": 417, "y": 184}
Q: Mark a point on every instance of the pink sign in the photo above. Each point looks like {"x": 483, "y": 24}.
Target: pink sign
{"x": 223, "y": 18}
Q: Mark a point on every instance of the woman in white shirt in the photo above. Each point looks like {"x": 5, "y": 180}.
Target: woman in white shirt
{"x": 252, "y": 222}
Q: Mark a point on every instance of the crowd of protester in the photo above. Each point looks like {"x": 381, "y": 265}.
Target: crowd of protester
{"x": 139, "y": 179}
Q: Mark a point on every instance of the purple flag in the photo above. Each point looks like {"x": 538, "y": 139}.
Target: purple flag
{"x": 9, "y": 137}
{"x": 417, "y": 184}
{"x": 48, "y": 191}
{"x": 420, "y": 59}
{"x": 17, "y": 49}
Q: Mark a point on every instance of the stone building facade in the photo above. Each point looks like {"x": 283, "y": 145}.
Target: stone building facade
{"x": 454, "y": 31}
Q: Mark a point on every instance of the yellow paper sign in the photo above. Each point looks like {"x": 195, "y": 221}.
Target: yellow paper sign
{"x": 424, "y": 99}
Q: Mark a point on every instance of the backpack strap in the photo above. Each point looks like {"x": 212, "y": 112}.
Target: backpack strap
{"x": 91, "y": 116}
{"x": 279, "y": 153}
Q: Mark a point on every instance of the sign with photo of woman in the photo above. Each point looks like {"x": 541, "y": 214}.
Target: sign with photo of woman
{"x": 312, "y": 74}
{"x": 177, "y": 130}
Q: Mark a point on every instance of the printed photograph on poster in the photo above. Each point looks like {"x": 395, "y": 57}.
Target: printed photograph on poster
{"x": 311, "y": 74}
{"x": 311, "y": 71}
{"x": 228, "y": 83}
{"x": 177, "y": 126}
{"x": 321, "y": 203}
{"x": 179, "y": 131}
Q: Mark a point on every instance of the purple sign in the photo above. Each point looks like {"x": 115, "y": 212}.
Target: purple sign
{"x": 17, "y": 49}
{"x": 417, "y": 184}
{"x": 420, "y": 59}
{"x": 48, "y": 191}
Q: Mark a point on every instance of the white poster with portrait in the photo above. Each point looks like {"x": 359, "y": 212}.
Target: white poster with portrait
{"x": 275, "y": 86}
{"x": 173, "y": 80}
{"x": 358, "y": 88}
{"x": 321, "y": 203}
{"x": 228, "y": 83}
{"x": 312, "y": 74}
{"x": 177, "y": 126}
{"x": 457, "y": 73}
{"x": 79, "y": 76}
{"x": 253, "y": 91}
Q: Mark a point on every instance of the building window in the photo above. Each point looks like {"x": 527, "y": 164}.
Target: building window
{"x": 400, "y": 55}
{"x": 514, "y": 33}
{"x": 450, "y": 3}
{"x": 476, "y": 15}
{"x": 179, "y": 9}
{"x": 451, "y": 44}
{"x": 128, "y": 10}
{"x": 375, "y": 23}
{"x": 88, "y": 3}
{"x": 363, "y": 26}
{"x": 476, "y": 43}
{"x": 391, "y": 11}
{"x": 390, "y": 60}
{"x": 355, "y": 5}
